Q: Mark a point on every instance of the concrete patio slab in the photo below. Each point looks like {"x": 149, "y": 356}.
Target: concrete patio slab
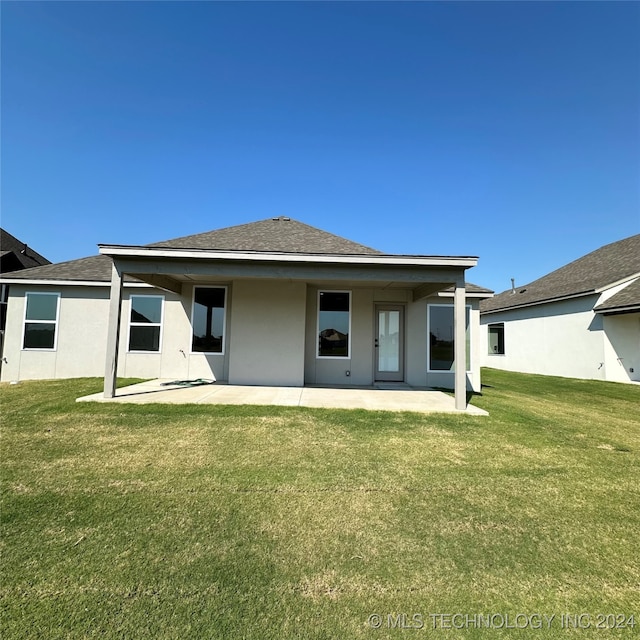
{"x": 393, "y": 399}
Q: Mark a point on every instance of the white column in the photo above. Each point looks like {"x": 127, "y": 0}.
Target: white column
{"x": 113, "y": 335}
{"x": 460, "y": 349}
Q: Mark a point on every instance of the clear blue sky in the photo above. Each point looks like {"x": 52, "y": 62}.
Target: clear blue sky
{"x": 507, "y": 130}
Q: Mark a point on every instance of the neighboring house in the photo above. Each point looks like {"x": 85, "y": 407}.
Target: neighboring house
{"x": 14, "y": 256}
{"x": 274, "y": 302}
{"x": 581, "y": 321}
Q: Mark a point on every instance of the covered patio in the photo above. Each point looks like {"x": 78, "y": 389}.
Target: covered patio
{"x": 377, "y": 398}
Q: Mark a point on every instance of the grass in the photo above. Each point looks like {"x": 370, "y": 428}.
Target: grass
{"x": 122, "y": 521}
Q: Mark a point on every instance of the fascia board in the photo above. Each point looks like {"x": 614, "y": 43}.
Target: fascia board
{"x": 631, "y": 278}
{"x": 539, "y": 302}
{"x": 468, "y": 294}
{"x": 259, "y": 256}
{"x": 628, "y": 308}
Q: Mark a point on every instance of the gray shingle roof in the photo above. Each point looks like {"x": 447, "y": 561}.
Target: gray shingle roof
{"x": 279, "y": 234}
{"x": 17, "y": 255}
{"x": 265, "y": 235}
{"x": 597, "y": 270}
{"x": 92, "y": 269}
{"x": 629, "y": 297}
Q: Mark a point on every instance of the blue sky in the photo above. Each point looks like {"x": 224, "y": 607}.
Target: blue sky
{"x": 507, "y": 130}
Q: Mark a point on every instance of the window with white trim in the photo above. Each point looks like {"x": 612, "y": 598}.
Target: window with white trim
{"x": 208, "y": 319}
{"x": 496, "y": 339}
{"x": 334, "y": 324}
{"x": 41, "y": 320}
{"x": 145, "y": 323}
{"x": 441, "y": 331}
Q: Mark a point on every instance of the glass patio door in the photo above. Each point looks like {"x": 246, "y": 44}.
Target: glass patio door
{"x": 389, "y": 343}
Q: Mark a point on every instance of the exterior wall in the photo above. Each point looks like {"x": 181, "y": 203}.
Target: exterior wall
{"x": 361, "y": 364}
{"x": 445, "y": 379}
{"x": 267, "y": 333}
{"x": 81, "y": 331}
{"x": 269, "y": 325}
{"x": 560, "y": 339}
{"x": 178, "y": 360}
{"x": 333, "y": 371}
{"x": 622, "y": 347}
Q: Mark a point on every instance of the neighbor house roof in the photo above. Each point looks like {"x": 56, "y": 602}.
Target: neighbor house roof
{"x": 598, "y": 270}
{"x": 16, "y": 255}
{"x": 626, "y": 300}
{"x": 272, "y": 235}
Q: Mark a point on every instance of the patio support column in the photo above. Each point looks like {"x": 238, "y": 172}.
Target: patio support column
{"x": 460, "y": 344}
{"x": 113, "y": 335}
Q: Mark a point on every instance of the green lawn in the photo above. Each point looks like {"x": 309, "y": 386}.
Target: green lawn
{"x": 122, "y": 521}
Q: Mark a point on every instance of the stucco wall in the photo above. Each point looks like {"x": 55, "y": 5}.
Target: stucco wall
{"x": 561, "y": 338}
{"x": 267, "y": 332}
{"x": 360, "y": 363}
{"x": 81, "y": 331}
{"x": 622, "y": 347}
{"x": 81, "y": 339}
{"x": 445, "y": 379}
{"x": 270, "y": 324}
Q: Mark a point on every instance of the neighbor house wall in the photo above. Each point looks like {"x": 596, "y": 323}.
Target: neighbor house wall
{"x": 622, "y": 347}
{"x": 559, "y": 338}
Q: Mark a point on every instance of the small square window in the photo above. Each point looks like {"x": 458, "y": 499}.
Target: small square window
{"x": 496, "y": 339}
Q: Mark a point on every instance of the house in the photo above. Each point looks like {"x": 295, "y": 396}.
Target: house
{"x": 275, "y": 302}
{"x": 581, "y": 321}
{"x": 16, "y": 255}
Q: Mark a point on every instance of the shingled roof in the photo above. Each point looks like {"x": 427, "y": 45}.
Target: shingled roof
{"x": 626, "y": 300}
{"x": 594, "y": 272}
{"x": 272, "y": 235}
{"x": 16, "y": 255}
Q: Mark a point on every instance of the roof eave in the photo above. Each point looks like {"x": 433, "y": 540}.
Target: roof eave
{"x": 124, "y": 251}
{"x": 611, "y": 311}
{"x": 67, "y": 282}
{"x": 538, "y": 302}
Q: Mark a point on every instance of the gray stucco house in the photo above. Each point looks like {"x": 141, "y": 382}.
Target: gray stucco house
{"x": 580, "y": 321}
{"x": 274, "y": 302}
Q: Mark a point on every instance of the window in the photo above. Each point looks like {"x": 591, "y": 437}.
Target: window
{"x": 208, "y": 319}
{"x": 496, "y": 339}
{"x": 334, "y": 324}
{"x": 41, "y": 320}
{"x": 441, "y": 337}
{"x": 145, "y": 323}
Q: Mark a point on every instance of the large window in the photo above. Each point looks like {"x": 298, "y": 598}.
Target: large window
{"x": 496, "y": 339}
{"x": 145, "y": 323}
{"x": 208, "y": 319}
{"x": 441, "y": 337}
{"x": 41, "y": 320}
{"x": 334, "y": 324}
